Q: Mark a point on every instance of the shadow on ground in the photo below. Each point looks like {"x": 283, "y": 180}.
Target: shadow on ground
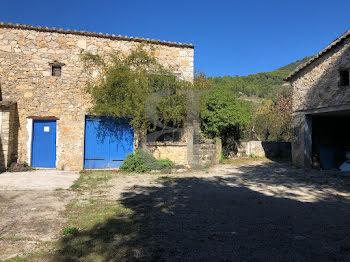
{"x": 221, "y": 219}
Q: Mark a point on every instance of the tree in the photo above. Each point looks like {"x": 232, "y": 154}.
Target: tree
{"x": 136, "y": 86}
{"x": 272, "y": 119}
{"x": 225, "y": 116}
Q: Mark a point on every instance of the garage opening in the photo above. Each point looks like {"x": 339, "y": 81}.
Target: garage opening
{"x": 107, "y": 142}
{"x": 330, "y": 139}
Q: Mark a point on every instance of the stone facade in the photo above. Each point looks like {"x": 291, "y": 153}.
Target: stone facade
{"x": 317, "y": 89}
{"x": 8, "y": 134}
{"x": 25, "y": 77}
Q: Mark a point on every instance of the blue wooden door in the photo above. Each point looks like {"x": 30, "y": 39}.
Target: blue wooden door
{"x": 107, "y": 142}
{"x": 44, "y": 143}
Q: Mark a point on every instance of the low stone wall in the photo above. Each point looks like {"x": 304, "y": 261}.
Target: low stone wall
{"x": 175, "y": 151}
{"x": 276, "y": 150}
{"x": 209, "y": 151}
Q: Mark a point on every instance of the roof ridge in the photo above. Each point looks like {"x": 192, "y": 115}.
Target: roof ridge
{"x": 319, "y": 54}
{"x": 94, "y": 34}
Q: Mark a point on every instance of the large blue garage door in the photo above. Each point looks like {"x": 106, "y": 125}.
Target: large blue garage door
{"x": 107, "y": 142}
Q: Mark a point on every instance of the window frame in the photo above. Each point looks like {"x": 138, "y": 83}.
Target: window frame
{"x": 54, "y": 66}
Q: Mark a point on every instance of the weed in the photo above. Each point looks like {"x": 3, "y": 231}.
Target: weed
{"x": 70, "y": 230}
{"x": 16, "y": 239}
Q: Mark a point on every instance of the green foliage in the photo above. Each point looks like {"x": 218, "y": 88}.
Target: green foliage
{"x": 137, "y": 87}
{"x": 272, "y": 118}
{"x": 69, "y": 230}
{"x": 225, "y": 116}
{"x": 141, "y": 162}
{"x": 263, "y": 85}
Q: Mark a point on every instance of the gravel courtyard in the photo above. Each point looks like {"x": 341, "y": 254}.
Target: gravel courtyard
{"x": 255, "y": 212}
{"x": 260, "y": 211}
{"x": 31, "y": 208}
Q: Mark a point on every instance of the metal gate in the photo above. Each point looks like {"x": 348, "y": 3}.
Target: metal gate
{"x": 107, "y": 142}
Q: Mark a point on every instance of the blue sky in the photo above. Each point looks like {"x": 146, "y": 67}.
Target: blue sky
{"x": 230, "y": 37}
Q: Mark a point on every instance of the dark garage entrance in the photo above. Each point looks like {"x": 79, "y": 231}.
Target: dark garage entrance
{"x": 330, "y": 139}
{"x": 107, "y": 142}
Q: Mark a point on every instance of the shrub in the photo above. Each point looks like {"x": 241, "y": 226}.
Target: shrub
{"x": 70, "y": 230}
{"x": 141, "y": 162}
{"x": 165, "y": 163}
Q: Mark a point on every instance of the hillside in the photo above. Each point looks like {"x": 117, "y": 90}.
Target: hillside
{"x": 260, "y": 85}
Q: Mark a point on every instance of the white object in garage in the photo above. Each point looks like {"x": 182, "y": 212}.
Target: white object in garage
{"x": 345, "y": 167}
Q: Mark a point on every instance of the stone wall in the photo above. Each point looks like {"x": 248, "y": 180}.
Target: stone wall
{"x": 25, "y": 77}
{"x": 317, "y": 89}
{"x": 175, "y": 151}
{"x": 318, "y": 85}
{"x": 8, "y": 132}
{"x": 273, "y": 150}
{"x": 209, "y": 152}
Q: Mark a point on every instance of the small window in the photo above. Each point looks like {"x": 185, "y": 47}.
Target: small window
{"x": 344, "y": 78}
{"x": 56, "y": 70}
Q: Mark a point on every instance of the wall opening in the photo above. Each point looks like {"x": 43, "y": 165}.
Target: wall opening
{"x": 330, "y": 139}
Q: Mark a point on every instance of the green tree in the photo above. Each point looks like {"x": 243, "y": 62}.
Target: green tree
{"x": 137, "y": 87}
{"x": 272, "y": 118}
{"x": 225, "y": 116}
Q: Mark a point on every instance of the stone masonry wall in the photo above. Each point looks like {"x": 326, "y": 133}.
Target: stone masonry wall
{"x": 25, "y": 77}
{"x": 4, "y": 138}
{"x": 209, "y": 152}
{"x": 175, "y": 151}
{"x": 8, "y": 133}
{"x": 317, "y": 87}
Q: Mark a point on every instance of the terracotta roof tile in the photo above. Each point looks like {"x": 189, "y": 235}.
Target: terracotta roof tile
{"x": 85, "y": 33}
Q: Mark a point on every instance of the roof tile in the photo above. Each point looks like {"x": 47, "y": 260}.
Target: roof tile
{"x": 85, "y": 33}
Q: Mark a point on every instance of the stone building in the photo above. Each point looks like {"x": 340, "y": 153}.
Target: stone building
{"x": 321, "y": 107}
{"x": 44, "y": 108}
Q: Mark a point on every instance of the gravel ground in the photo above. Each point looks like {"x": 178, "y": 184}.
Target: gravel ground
{"x": 259, "y": 212}
{"x": 263, "y": 211}
{"x": 31, "y": 209}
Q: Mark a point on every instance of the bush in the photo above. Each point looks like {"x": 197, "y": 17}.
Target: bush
{"x": 141, "y": 162}
{"x": 70, "y": 230}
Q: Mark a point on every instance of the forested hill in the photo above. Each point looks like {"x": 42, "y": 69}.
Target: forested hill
{"x": 263, "y": 85}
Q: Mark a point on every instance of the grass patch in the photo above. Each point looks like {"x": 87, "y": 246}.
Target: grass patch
{"x": 89, "y": 180}
{"x": 42, "y": 255}
{"x": 97, "y": 230}
{"x": 84, "y": 215}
